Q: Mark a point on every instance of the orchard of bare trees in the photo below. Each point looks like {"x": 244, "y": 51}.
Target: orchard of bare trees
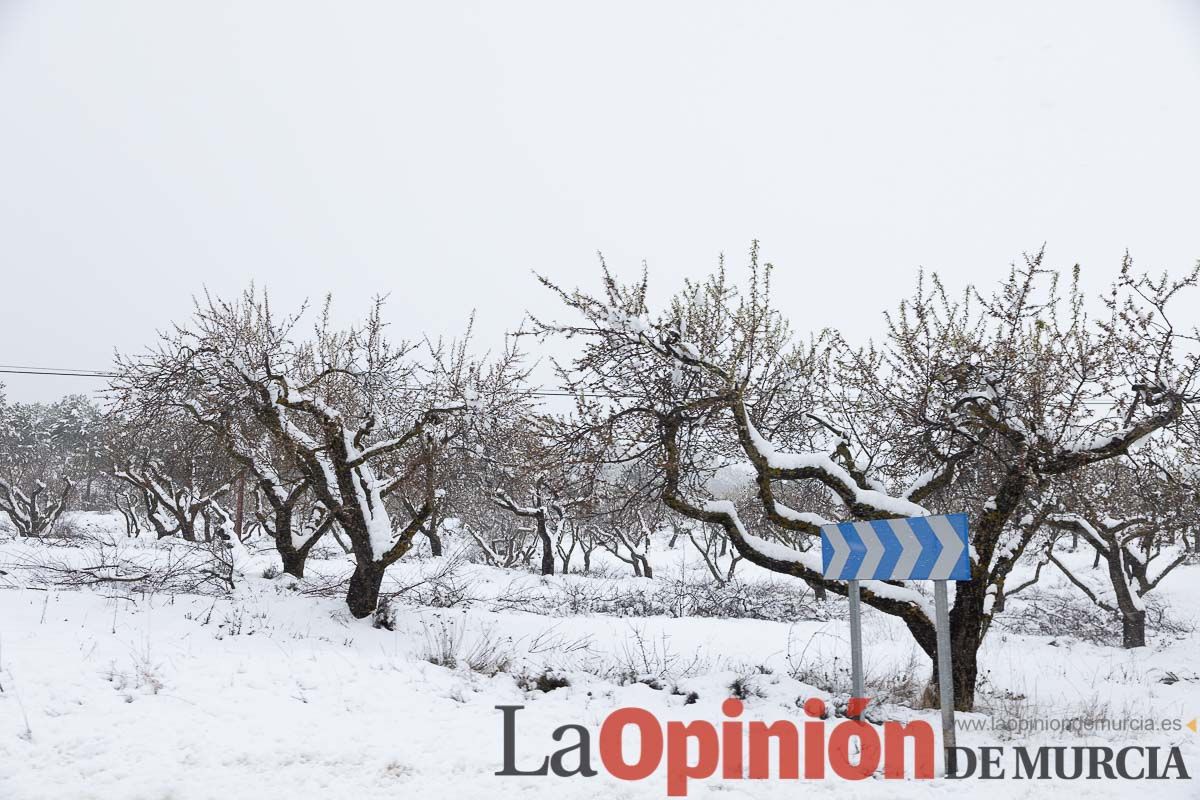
{"x": 704, "y": 422}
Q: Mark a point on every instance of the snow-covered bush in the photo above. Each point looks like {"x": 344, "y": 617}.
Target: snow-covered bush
{"x": 1064, "y": 614}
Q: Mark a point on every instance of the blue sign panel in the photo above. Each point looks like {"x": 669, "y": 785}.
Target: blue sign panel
{"x": 917, "y": 548}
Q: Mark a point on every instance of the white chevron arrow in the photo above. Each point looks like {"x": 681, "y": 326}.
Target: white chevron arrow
{"x": 875, "y": 550}
{"x": 911, "y": 549}
{"x": 841, "y": 551}
{"x": 952, "y": 548}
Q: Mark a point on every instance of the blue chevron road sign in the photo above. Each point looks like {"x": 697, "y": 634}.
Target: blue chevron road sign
{"x": 917, "y": 548}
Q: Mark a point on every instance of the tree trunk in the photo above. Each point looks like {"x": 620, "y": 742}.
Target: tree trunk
{"x": 293, "y": 561}
{"x": 1133, "y": 629}
{"x": 1133, "y": 618}
{"x": 239, "y": 510}
{"x": 87, "y": 488}
{"x": 363, "y": 594}
{"x": 435, "y": 541}
{"x": 547, "y": 546}
{"x": 431, "y": 527}
{"x": 333, "y": 530}
{"x": 966, "y": 636}
{"x": 966, "y": 671}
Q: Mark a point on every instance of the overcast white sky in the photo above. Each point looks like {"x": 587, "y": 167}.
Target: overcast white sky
{"x": 443, "y": 151}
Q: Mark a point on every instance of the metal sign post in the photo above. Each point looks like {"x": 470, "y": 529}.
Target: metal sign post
{"x": 945, "y": 673}
{"x": 917, "y": 548}
{"x": 856, "y": 666}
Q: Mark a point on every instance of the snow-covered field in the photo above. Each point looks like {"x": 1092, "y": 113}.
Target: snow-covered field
{"x": 276, "y": 692}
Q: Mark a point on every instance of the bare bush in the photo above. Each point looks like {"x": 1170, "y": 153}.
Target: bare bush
{"x": 101, "y": 560}
{"x": 1065, "y": 615}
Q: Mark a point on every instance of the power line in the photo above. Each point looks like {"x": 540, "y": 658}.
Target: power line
{"x": 66, "y": 372}
{"x": 70, "y": 373}
{"x": 9, "y": 369}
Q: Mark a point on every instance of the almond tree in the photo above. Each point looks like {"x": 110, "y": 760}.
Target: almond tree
{"x": 349, "y": 412}
{"x": 1133, "y": 516}
{"x": 172, "y": 507}
{"x": 570, "y": 537}
{"x": 539, "y": 512}
{"x": 293, "y": 526}
{"x": 504, "y": 546}
{"x": 295, "y": 522}
{"x": 129, "y": 511}
{"x": 711, "y": 549}
{"x": 175, "y": 472}
{"x": 164, "y": 389}
{"x": 508, "y": 481}
{"x": 968, "y": 405}
{"x": 553, "y": 492}
{"x": 32, "y": 513}
{"x": 629, "y": 544}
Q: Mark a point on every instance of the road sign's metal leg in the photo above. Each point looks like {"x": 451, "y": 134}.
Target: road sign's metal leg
{"x": 945, "y": 671}
{"x": 856, "y": 660}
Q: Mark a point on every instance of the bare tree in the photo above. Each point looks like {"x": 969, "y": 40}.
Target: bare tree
{"x": 629, "y": 544}
{"x": 505, "y": 546}
{"x": 1125, "y": 514}
{"x": 538, "y": 512}
{"x": 293, "y": 525}
{"x": 548, "y": 512}
{"x": 284, "y": 490}
{"x": 348, "y": 411}
{"x": 172, "y": 507}
{"x": 979, "y": 401}
{"x": 30, "y": 512}
{"x": 566, "y": 540}
{"x": 711, "y": 549}
{"x": 129, "y": 512}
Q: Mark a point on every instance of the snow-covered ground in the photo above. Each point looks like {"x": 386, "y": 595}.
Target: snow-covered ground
{"x": 276, "y": 692}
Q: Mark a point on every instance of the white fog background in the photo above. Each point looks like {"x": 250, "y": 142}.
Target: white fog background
{"x": 440, "y": 152}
